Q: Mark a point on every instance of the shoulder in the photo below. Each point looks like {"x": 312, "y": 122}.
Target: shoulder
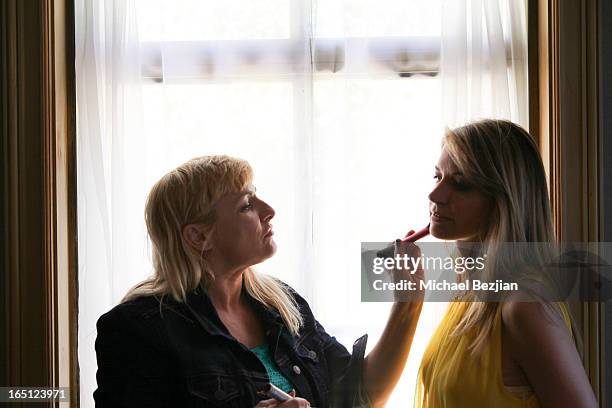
{"x": 295, "y": 296}
{"x": 135, "y": 327}
{"x": 299, "y": 300}
{"x": 129, "y": 315}
{"x": 532, "y": 326}
{"x": 529, "y": 314}
{"x": 516, "y": 314}
{"x": 538, "y": 339}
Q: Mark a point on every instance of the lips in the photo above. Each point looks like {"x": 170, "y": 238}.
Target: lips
{"x": 269, "y": 233}
{"x": 436, "y": 216}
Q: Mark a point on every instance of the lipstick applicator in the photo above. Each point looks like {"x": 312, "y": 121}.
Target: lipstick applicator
{"x": 272, "y": 391}
{"x": 388, "y": 252}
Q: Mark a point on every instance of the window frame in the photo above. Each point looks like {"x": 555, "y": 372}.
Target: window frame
{"x": 395, "y": 56}
{"x": 39, "y": 324}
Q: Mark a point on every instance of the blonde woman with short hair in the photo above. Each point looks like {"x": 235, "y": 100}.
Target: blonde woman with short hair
{"x": 207, "y": 330}
{"x": 490, "y": 189}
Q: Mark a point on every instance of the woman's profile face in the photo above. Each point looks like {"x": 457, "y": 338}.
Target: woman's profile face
{"x": 458, "y": 211}
{"x": 242, "y": 234}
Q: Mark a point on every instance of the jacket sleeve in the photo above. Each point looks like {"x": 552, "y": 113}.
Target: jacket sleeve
{"x": 345, "y": 370}
{"x": 132, "y": 368}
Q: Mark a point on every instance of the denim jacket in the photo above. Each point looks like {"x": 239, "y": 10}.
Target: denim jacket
{"x": 154, "y": 353}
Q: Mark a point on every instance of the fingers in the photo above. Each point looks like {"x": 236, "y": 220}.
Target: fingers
{"x": 409, "y": 248}
{"x": 295, "y": 403}
{"x": 413, "y": 251}
{"x": 267, "y": 403}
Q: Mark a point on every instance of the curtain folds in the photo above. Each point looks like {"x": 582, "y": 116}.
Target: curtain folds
{"x": 108, "y": 112}
{"x": 483, "y": 61}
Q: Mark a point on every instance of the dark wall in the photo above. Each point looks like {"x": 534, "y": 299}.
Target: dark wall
{"x": 606, "y": 115}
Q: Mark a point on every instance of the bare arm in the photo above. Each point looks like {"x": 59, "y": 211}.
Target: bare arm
{"x": 383, "y": 366}
{"x": 542, "y": 346}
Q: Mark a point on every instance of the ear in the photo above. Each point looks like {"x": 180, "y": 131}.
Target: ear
{"x": 196, "y": 237}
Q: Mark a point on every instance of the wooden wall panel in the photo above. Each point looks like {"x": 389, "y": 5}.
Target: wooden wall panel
{"x": 38, "y": 215}
{"x": 568, "y": 128}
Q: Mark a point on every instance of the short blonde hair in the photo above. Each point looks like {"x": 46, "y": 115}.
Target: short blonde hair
{"x": 187, "y": 195}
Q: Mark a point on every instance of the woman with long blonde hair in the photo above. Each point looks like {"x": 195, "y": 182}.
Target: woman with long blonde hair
{"x": 207, "y": 330}
{"x": 491, "y": 191}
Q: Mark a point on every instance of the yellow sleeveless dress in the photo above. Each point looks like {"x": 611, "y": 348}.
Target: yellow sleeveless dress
{"x": 451, "y": 377}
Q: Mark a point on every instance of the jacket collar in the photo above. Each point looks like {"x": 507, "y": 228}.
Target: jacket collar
{"x": 200, "y": 306}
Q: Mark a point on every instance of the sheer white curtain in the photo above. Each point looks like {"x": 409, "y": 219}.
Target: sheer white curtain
{"x": 484, "y": 60}
{"x": 108, "y": 113}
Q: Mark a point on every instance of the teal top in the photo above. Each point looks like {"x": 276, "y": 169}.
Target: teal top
{"x": 276, "y": 377}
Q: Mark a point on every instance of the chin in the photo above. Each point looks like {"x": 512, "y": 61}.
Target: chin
{"x": 438, "y": 231}
{"x": 270, "y": 250}
{"x": 272, "y": 246}
{"x": 451, "y": 234}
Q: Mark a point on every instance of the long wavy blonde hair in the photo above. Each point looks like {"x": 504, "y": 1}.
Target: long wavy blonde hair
{"x": 187, "y": 195}
{"x": 500, "y": 159}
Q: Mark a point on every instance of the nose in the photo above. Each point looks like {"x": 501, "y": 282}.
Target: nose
{"x": 440, "y": 193}
{"x": 266, "y": 211}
